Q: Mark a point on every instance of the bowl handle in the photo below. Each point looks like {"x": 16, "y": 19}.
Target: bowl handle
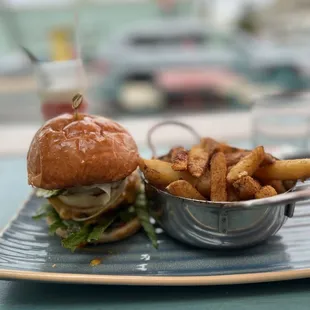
{"x": 164, "y": 123}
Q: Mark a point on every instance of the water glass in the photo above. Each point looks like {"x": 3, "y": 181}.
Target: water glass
{"x": 281, "y": 122}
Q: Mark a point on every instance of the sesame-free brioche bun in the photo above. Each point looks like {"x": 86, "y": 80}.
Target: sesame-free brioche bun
{"x": 66, "y": 152}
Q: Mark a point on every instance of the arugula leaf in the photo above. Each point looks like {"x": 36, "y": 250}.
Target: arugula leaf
{"x": 45, "y": 193}
{"x": 144, "y": 218}
{"x": 99, "y": 229}
{"x": 75, "y": 239}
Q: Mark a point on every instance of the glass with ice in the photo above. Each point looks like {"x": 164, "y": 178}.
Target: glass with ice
{"x": 58, "y": 82}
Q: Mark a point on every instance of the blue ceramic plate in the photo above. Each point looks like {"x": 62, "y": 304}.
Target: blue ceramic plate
{"x": 28, "y": 252}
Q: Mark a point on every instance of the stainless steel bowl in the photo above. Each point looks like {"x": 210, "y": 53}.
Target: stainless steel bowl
{"x": 222, "y": 225}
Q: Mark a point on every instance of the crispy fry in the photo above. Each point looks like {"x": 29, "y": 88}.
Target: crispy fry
{"x": 218, "y": 170}
{"x": 285, "y": 170}
{"x": 246, "y": 187}
{"x": 232, "y": 194}
{"x": 268, "y": 159}
{"x": 197, "y": 160}
{"x": 247, "y": 165}
{"x": 179, "y": 160}
{"x": 184, "y": 189}
{"x": 277, "y": 185}
{"x": 266, "y": 191}
{"x": 160, "y": 173}
{"x": 209, "y": 144}
{"x": 234, "y": 158}
{"x": 204, "y": 183}
{"x": 168, "y": 157}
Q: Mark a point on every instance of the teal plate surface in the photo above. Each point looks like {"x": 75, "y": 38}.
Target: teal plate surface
{"x": 28, "y": 252}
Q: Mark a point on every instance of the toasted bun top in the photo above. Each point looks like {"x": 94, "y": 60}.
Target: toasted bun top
{"x": 91, "y": 150}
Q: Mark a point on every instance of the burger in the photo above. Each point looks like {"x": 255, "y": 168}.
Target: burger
{"x": 86, "y": 168}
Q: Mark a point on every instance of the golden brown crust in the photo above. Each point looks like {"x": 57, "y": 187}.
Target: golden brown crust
{"x": 116, "y": 234}
{"x": 91, "y": 150}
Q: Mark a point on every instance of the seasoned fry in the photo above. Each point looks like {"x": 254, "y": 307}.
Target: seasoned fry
{"x": 204, "y": 183}
{"x": 232, "y": 194}
{"x": 268, "y": 159}
{"x": 218, "y": 170}
{"x": 248, "y": 165}
{"x": 179, "y": 160}
{"x": 210, "y": 145}
{"x": 234, "y": 158}
{"x": 285, "y": 170}
{"x": 168, "y": 157}
{"x": 160, "y": 173}
{"x": 197, "y": 160}
{"x": 266, "y": 191}
{"x": 184, "y": 189}
{"x": 246, "y": 187}
{"x": 277, "y": 185}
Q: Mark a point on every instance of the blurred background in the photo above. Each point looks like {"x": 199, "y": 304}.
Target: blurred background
{"x": 157, "y": 58}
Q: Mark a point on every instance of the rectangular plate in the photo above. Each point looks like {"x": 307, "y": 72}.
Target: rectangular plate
{"x": 28, "y": 252}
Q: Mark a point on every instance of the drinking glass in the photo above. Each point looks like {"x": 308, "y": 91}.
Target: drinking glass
{"x": 58, "y": 82}
{"x": 281, "y": 122}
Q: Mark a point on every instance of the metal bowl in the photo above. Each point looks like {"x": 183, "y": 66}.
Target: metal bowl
{"x": 222, "y": 225}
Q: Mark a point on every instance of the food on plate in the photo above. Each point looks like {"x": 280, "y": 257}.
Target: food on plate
{"x": 179, "y": 159}
{"x": 197, "y": 160}
{"x": 246, "y": 187}
{"x": 285, "y": 170}
{"x": 184, "y": 189}
{"x": 247, "y": 165}
{"x": 216, "y": 171}
{"x": 277, "y": 185}
{"x": 86, "y": 168}
{"x": 203, "y": 184}
{"x": 265, "y": 191}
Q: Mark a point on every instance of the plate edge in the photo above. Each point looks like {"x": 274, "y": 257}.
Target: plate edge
{"x": 9, "y": 274}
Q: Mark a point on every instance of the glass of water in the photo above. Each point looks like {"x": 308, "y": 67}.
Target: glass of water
{"x": 281, "y": 122}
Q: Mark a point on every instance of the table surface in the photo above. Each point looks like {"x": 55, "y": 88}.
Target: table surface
{"x": 33, "y": 295}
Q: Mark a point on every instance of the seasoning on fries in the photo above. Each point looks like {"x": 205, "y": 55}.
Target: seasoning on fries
{"x": 184, "y": 189}
{"x": 219, "y": 172}
{"x": 218, "y": 169}
{"x": 197, "y": 161}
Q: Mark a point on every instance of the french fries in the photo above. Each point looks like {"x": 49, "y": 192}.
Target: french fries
{"x": 277, "y": 185}
{"x": 184, "y": 189}
{"x": 266, "y": 191}
{"x": 179, "y": 160}
{"x": 293, "y": 169}
{"x": 203, "y": 184}
{"x": 218, "y": 170}
{"x": 160, "y": 173}
{"x": 197, "y": 161}
{"x": 246, "y": 187}
{"x": 246, "y": 165}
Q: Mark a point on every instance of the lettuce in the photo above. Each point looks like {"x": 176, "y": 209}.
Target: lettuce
{"x": 99, "y": 229}
{"x": 142, "y": 211}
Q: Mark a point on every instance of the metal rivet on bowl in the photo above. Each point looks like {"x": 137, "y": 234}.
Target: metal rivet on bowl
{"x": 224, "y": 219}
{"x": 224, "y": 231}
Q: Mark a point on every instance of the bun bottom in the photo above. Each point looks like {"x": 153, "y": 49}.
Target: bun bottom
{"x": 116, "y": 234}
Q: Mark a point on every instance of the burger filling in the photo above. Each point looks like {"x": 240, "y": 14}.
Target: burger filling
{"x": 86, "y": 212}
